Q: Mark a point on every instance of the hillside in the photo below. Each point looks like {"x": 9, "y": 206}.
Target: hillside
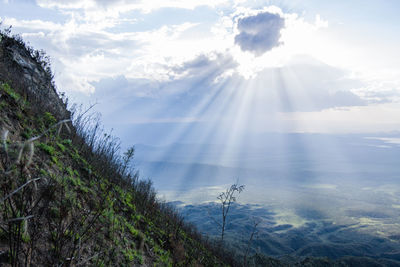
{"x": 67, "y": 197}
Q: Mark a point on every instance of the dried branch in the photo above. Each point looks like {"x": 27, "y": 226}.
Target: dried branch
{"x": 88, "y": 259}
{"x": 20, "y": 219}
{"x": 4, "y": 137}
{"x": 51, "y": 127}
{"x": 18, "y": 189}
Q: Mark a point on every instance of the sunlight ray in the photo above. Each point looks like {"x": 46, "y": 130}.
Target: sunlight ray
{"x": 214, "y": 132}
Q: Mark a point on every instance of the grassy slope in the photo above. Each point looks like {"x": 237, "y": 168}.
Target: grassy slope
{"x": 83, "y": 210}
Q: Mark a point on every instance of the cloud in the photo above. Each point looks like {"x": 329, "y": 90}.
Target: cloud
{"x": 307, "y": 85}
{"x": 192, "y": 85}
{"x": 211, "y": 80}
{"x": 84, "y": 52}
{"x": 194, "y": 77}
{"x": 196, "y": 101}
{"x": 381, "y": 86}
{"x": 160, "y": 63}
{"x": 122, "y": 6}
{"x": 211, "y": 65}
{"x": 259, "y": 33}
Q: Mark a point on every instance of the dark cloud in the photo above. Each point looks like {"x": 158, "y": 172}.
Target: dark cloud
{"x": 206, "y": 66}
{"x": 259, "y": 33}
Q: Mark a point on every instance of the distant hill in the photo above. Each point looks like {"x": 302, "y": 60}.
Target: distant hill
{"x": 315, "y": 242}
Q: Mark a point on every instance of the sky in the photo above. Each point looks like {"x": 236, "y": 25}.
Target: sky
{"x": 222, "y": 68}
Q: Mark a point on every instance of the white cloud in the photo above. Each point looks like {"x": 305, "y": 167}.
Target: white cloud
{"x": 75, "y": 82}
{"x": 381, "y": 86}
{"x": 91, "y": 51}
{"x": 114, "y": 7}
{"x": 33, "y": 25}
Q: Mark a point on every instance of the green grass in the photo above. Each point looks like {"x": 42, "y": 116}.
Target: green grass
{"x": 47, "y": 148}
{"x": 5, "y": 87}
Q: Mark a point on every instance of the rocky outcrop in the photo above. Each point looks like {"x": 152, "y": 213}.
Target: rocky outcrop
{"x": 20, "y": 68}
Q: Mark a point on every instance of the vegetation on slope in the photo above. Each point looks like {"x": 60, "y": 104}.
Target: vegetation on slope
{"x": 67, "y": 196}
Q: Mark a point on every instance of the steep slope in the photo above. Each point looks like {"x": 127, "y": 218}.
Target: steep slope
{"x": 67, "y": 197}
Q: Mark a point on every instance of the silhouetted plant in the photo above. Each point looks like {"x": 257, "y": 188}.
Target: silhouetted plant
{"x": 256, "y": 222}
{"x": 226, "y": 200}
